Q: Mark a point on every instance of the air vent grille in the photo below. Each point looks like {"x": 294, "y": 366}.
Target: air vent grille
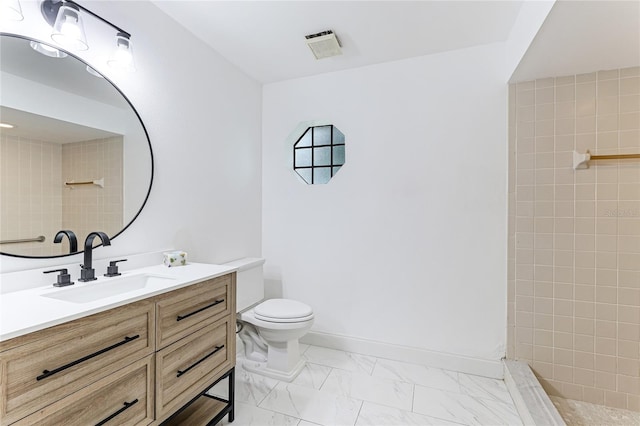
{"x": 324, "y": 44}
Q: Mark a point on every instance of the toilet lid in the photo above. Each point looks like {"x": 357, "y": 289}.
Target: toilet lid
{"x": 282, "y": 309}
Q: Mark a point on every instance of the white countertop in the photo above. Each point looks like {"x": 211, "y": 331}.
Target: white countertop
{"x": 28, "y": 310}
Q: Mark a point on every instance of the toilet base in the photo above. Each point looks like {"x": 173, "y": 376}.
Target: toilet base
{"x": 261, "y": 368}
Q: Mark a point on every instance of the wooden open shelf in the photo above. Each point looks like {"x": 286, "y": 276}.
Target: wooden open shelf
{"x": 200, "y": 413}
{"x": 206, "y": 410}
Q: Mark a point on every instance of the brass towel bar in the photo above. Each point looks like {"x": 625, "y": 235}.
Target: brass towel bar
{"x": 98, "y": 182}
{"x": 614, "y": 157}
{"x": 581, "y": 161}
{"x": 39, "y": 239}
{"x": 78, "y": 183}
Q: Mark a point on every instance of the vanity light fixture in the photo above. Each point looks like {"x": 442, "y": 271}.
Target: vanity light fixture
{"x": 6, "y": 126}
{"x": 65, "y": 16}
{"x": 11, "y": 10}
{"x": 122, "y": 56}
{"x": 68, "y": 30}
{"x": 47, "y": 50}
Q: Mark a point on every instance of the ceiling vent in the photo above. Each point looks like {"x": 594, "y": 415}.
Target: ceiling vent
{"x": 324, "y": 44}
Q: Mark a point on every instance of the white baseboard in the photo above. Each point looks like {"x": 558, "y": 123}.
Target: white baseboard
{"x": 463, "y": 364}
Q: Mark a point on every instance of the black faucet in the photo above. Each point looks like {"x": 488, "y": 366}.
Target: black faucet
{"x": 73, "y": 241}
{"x": 87, "y": 273}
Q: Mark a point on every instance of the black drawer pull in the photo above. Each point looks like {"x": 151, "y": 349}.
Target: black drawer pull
{"x": 180, "y": 373}
{"x": 181, "y": 317}
{"x": 126, "y": 405}
{"x": 47, "y": 373}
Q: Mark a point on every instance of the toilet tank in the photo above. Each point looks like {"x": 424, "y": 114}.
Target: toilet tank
{"x": 249, "y": 282}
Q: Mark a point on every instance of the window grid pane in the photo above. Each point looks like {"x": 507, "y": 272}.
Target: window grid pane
{"x": 319, "y": 153}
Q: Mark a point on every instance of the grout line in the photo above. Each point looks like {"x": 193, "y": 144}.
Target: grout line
{"x": 413, "y": 397}
{"x": 375, "y": 364}
{"x": 326, "y": 378}
{"x": 268, "y": 393}
{"x": 359, "y": 411}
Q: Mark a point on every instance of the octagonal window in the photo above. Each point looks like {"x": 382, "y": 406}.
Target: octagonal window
{"x": 318, "y": 154}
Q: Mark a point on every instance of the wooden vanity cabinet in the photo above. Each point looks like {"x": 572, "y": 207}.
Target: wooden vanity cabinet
{"x": 51, "y": 364}
{"x": 196, "y": 341}
{"x": 109, "y": 368}
{"x": 183, "y": 311}
{"x": 124, "y": 398}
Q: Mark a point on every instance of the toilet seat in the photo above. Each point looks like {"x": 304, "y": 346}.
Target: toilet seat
{"x": 283, "y": 311}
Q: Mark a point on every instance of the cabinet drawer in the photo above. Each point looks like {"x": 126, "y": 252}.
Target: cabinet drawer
{"x": 58, "y": 361}
{"x": 186, "y": 368}
{"x": 183, "y": 311}
{"x": 124, "y": 398}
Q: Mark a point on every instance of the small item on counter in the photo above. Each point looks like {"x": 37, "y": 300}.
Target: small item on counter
{"x": 175, "y": 258}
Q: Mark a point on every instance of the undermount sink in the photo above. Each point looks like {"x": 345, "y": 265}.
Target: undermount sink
{"x": 104, "y": 288}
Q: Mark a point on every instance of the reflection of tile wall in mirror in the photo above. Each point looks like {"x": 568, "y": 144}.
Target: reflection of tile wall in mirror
{"x": 30, "y": 194}
{"x": 34, "y": 200}
{"x": 90, "y": 207}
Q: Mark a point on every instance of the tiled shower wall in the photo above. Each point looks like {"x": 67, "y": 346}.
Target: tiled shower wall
{"x": 574, "y": 235}
{"x": 88, "y": 208}
{"x": 30, "y": 194}
{"x": 34, "y": 200}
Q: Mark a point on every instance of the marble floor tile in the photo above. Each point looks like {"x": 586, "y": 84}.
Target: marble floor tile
{"x": 221, "y": 390}
{"x": 249, "y": 415}
{"x": 340, "y": 359}
{"x": 463, "y": 409}
{"x": 484, "y": 387}
{"x": 367, "y": 388}
{"x": 312, "y": 375}
{"x": 417, "y": 374}
{"x": 252, "y": 388}
{"x": 333, "y": 385}
{"x": 312, "y": 405}
{"x": 379, "y": 415}
{"x": 303, "y": 348}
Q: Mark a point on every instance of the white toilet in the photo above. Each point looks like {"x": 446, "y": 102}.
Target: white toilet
{"x": 270, "y": 328}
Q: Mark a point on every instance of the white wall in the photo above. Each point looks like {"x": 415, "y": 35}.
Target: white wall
{"x": 203, "y": 117}
{"x": 407, "y": 244}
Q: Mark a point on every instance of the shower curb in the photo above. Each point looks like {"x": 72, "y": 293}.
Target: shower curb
{"x": 532, "y": 402}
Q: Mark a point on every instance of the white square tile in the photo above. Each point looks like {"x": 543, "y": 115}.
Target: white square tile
{"x": 464, "y": 409}
{"x": 312, "y": 375}
{"x": 248, "y": 415}
{"x": 379, "y": 415}
{"x": 361, "y": 386}
{"x": 418, "y": 374}
{"x": 340, "y": 359}
{"x": 312, "y": 405}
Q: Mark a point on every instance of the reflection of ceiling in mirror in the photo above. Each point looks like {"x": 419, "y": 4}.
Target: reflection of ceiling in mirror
{"x": 66, "y": 74}
{"x": 46, "y": 129}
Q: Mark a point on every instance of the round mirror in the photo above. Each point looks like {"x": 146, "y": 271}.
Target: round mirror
{"x": 74, "y": 153}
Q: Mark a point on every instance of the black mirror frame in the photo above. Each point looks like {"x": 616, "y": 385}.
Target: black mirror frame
{"x": 146, "y": 198}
